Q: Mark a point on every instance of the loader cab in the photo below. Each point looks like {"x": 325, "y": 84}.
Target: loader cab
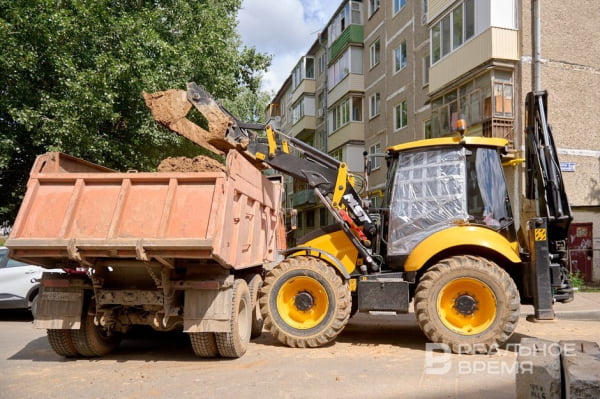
{"x": 444, "y": 183}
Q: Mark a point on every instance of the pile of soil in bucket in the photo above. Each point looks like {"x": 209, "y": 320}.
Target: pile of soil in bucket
{"x": 200, "y": 163}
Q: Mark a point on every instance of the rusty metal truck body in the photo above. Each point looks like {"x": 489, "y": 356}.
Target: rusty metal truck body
{"x": 167, "y": 250}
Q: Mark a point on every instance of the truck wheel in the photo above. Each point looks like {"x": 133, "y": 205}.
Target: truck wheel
{"x": 257, "y": 319}
{"x": 61, "y": 342}
{"x": 92, "y": 340}
{"x": 235, "y": 342}
{"x": 467, "y": 303}
{"x": 304, "y": 302}
{"x": 204, "y": 344}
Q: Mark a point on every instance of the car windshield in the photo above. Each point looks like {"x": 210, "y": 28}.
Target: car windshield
{"x": 10, "y": 262}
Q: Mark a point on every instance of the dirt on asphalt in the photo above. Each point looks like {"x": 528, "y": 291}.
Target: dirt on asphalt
{"x": 200, "y": 163}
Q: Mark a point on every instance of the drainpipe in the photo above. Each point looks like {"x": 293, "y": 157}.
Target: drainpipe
{"x": 536, "y": 35}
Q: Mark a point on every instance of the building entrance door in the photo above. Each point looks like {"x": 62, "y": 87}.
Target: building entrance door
{"x": 580, "y": 249}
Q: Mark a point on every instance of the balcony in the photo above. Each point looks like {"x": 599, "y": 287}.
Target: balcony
{"x": 351, "y": 132}
{"x": 352, "y": 34}
{"x": 307, "y": 122}
{"x": 500, "y": 127}
{"x": 303, "y": 198}
{"x": 306, "y": 86}
{"x": 353, "y": 82}
{"x": 494, "y": 43}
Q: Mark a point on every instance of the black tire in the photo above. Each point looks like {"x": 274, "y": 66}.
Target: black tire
{"x": 204, "y": 344}
{"x": 234, "y": 343}
{"x": 61, "y": 342}
{"x": 257, "y": 320}
{"x": 302, "y": 284}
{"x": 91, "y": 340}
{"x": 467, "y": 303}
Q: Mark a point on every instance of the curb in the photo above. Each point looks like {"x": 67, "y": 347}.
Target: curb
{"x": 581, "y": 315}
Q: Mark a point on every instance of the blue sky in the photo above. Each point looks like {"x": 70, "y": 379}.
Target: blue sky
{"x": 283, "y": 28}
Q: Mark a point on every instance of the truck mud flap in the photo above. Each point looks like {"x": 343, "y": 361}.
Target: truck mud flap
{"x": 60, "y": 302}
{"x": 207, "y": 310}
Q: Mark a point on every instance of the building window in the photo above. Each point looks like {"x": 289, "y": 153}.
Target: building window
{"x": 305, "y": 69}
{"x": 304, "y": 106}
{"x": 337, "y": 154}
{"x": 322, "y": 63}
{"x": 374, "y": 103}
{"x": 424, "y": 8}
{"x": 457, "y": 27}
{"x": 478, "y": 100}
{"x": 349, "y": 110}
{"x": 374, "y": 52}
{"x": 427, "y": 129}
{"x": 321, "y": 106}
{"x": 435, "y": 43}
{"x": 375, "y": 161}
{"x": 398, "y": 5}
{"x": 453, "y": 30}
{"x": 350, "y": 14}
{"x": 503, "y": 96}
{"x": 310, "y": 218}
{"x": 426, "y": 62}
{"x": 400, "y": 57}
{"x": 297, "y": 112}
{"x": 357, "y": 109}
{"x": 400, "y": 116}
{"x": 349, "y": 62}
{"x": 323, "y": 216}
{"x": 373, "y": 6}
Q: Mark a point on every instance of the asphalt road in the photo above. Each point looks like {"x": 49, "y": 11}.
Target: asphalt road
{"x": 375, "y": 357}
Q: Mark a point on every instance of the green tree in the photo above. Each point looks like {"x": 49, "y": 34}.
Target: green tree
{"x": 249, "y": 105}
{"x": 72, "y": 74}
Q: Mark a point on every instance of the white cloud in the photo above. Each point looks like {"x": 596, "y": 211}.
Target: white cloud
{"x": 283, "y": 28}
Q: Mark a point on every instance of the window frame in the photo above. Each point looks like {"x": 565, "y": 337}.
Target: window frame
{"x": 403, "y": 57}
{"x": 375, "y": 161}
{"x": 374, "y": 105}
{"x": 403, "y": 106}
{"x": 373, "y": 6}
{"x": 375, "y": 52}
{"x": 397, "y": 6}
{"x": 442, "y": 43}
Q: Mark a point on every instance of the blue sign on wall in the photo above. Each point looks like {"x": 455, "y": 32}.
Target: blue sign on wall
{"x": 567, "y": 166}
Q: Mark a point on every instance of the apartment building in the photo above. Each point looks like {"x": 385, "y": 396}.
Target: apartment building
{"x": 403, "y": 70}
{"x": 396, "y": 66}
{"x": 482, "y": 66}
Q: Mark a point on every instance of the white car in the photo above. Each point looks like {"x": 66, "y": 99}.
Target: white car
{"x": 19, "y": 287}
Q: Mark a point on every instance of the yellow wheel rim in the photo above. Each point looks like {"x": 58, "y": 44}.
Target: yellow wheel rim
{"x": 466, "y": 306}
{"x": 302, "y": 302}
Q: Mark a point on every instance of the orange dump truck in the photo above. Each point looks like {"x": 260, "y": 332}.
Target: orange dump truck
{"x": 169, "y": 250}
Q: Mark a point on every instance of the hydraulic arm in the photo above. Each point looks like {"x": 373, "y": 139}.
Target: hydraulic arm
{"x": 328, "y": 176}
{"x": 545, "y": 185}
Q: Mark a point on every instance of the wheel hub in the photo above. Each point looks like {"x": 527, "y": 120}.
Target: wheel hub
{"x": 304, "y": 301}
{"x": 465, "y": 304}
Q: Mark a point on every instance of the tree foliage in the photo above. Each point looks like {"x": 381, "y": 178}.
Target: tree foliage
{"x": 249, "y": 105}
{"x": 72, "y": 74}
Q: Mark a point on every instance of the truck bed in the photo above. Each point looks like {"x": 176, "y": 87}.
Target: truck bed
{"x": 77, "y": 212}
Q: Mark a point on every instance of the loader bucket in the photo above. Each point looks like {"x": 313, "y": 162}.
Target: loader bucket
{"x": 170, "y": 108}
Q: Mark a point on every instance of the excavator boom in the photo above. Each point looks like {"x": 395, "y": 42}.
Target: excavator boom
{"x": 329, "y": 177}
